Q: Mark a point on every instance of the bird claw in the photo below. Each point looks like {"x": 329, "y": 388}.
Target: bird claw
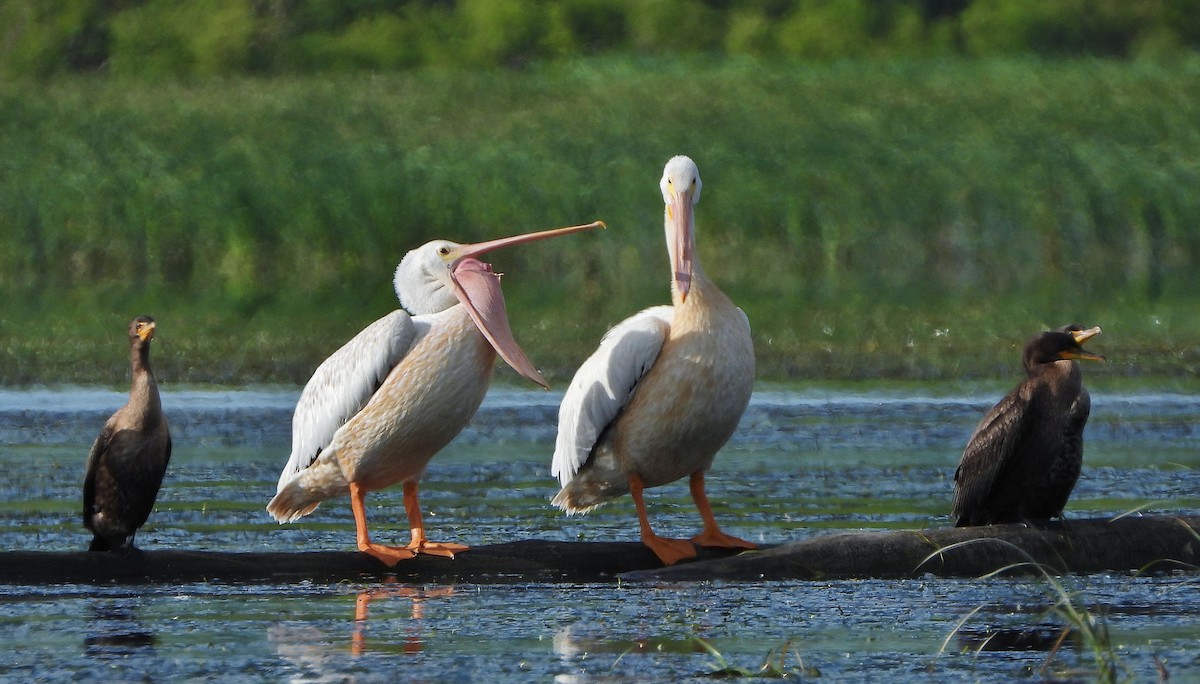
{"x": 720, "y": 540}
{"x": 670, "y": 551}
{"x": 443, "y": 549}
{"x": 388, "y": 555}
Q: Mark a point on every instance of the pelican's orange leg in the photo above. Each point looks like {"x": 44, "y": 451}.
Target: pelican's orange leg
{"x": 712, "y": 535}
{"x": 390, "y": 555}
{"x": 358, "y": 640}
{"x": 669, "y": 551}
{"x": 419, "y": 543}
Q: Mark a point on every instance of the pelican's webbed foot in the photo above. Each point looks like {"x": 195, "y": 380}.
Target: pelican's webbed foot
{"x": 720, "y": 540}
{"x": 444, "y": 549}
{"x": 670, "y": 551}
{"x": 388, "y": 555}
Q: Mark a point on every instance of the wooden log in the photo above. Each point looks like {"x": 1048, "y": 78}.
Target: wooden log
{"x": 1080, "y": 546}
{"x": 520, "y": 561}
{"x": 1153, "y": 543}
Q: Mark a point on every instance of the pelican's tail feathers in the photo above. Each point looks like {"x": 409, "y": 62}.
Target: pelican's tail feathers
{"x": 307, "y": 489}
{"x": 574, "y": 499}
{"x": 286, "y": 509}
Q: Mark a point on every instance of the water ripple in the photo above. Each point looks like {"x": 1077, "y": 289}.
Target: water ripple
{"x": 783, "y": 419}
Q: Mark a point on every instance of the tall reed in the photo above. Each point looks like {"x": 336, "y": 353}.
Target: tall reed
{"x": 909, "y": 219}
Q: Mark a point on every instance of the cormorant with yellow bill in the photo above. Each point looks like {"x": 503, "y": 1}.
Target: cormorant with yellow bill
{"x": 126, "y": 464}
{"x": 1024, "y": 457}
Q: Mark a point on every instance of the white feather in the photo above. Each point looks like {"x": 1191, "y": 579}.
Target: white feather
{"x": 342, "y": 385}
{"x": 604, "y": 384}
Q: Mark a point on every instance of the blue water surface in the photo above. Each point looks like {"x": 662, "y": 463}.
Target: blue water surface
{"x": 802, "y": 464}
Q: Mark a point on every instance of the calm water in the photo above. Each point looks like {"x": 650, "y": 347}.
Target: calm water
{"x": 802, "y": 464}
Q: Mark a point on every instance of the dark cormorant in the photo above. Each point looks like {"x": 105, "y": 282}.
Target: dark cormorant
{"x": 1024, "y": 457}
{"x": 126, "y": 465}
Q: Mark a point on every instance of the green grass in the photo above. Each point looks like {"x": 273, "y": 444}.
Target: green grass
{"x": 910, "y": 220}
{"x": 774, "y": 664}
{"x": 1085, "y": 625}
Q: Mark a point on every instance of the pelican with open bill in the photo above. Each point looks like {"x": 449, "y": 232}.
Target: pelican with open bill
{"x": 378, "y": 409}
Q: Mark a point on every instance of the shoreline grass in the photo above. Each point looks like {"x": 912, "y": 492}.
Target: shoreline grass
{"x": 909, "y": 221}
{"x": 1085, "y": 624}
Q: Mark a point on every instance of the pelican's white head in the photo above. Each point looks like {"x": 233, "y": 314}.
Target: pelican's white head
{"x": 680, "y": 186}
{"x": 423, "y": 284}
{"x": 680, "y": 175}
{"x": 440, "y": 274}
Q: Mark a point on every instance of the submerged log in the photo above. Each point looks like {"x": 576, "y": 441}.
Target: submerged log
{"x": 1156, "y": 543}
{"x": 520, "y": 561}
{"x": 1148, "y": 543}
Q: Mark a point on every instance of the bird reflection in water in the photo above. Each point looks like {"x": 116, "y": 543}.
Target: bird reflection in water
{"x": 115, "y": 631}
{"x": 319, "y": 657}
{"x": 1037, "y": 638}
{"x": 413, "y": 642}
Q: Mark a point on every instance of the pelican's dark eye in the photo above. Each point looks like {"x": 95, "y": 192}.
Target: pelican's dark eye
{"x": 443, "y": 251}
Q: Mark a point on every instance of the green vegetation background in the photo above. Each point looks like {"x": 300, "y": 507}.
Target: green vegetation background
{"x": 904, "y": 216}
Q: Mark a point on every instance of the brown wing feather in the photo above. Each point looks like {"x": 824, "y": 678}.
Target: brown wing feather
{"x": 124, "y": 474}
{"x": 989, "y": 454}
{"x": 95, "y": 457}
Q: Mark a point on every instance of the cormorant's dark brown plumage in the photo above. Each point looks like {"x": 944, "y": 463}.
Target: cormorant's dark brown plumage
{"x": 1024, "y": 457}
{"x": 126, "y": 465}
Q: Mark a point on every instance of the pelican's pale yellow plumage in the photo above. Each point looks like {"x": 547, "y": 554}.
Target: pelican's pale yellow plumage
{"x": 663, "y": 392}
{"x": 377, "y": 410}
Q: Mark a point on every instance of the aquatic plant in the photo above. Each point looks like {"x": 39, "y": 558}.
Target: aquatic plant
{"x": 1157, "y": 564}
{"x": 1087, "y": 626}
{"x": 880, "y": 220}
{"x": 773, "y": 666}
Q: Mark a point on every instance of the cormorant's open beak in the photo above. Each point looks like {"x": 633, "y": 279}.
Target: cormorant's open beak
{"x": 1080, "y": 337}
{"x": 146, "y": 331}
{"x": 477, "y": 286}
{"x": 1081, "y": 355}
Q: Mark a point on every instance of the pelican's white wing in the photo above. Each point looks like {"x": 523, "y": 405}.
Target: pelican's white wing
{"x": 343, "y": 384}
{"x": 604, "y": 384}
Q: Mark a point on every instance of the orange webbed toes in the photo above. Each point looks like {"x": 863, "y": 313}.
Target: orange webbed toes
{"x": 671, "y": 551}
{"x": 388, "y": 555}
{"x": 720, "y": 540}
{"x": 444, "y": 549}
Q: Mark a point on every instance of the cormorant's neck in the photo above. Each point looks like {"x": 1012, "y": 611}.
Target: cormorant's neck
{"x": 1065, "y": 371}
{"x": 143, "y": 390}
{"x": 139, "y": 357}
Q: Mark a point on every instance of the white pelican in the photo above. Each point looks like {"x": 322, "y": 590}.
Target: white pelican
{"x": 662, "y": 393}
{"x": 1024, "y": 457}
{"x": 380, "y": 407}
{"x": 127, "y": 462}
